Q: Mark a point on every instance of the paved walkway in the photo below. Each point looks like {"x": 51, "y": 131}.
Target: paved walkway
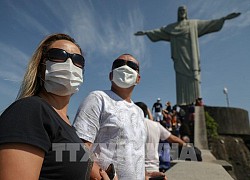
{"x": 191, "y": 170}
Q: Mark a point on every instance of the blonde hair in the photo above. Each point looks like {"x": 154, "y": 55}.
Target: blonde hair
{"x": 32, "y": 83}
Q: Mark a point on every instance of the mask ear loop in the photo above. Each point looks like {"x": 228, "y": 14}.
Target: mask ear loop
{"x": 40, "y": 79}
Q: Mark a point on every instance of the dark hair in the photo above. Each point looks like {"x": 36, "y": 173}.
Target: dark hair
{"x": 144, "y": 108}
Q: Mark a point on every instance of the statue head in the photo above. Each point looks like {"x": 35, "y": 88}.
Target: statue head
{"x": 182, "y": 13}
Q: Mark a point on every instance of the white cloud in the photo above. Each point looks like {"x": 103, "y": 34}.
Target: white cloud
{"x": 26, "y": 20}
{"x": 12, "y": 64}
{"x": 107, "y": 36}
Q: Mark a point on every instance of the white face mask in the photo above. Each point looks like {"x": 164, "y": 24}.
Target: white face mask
{"x": 62, "y": 78}
{"x": 124, "y": 76}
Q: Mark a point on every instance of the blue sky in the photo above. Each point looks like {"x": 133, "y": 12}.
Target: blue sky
{"x": 104, "y": 29}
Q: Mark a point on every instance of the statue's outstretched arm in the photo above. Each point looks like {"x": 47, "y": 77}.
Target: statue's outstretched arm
{"x": 231, "y": 16}
{"x": 140, "y": 33}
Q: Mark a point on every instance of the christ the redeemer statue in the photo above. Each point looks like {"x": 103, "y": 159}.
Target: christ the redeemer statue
{"x": 183, "y": 37}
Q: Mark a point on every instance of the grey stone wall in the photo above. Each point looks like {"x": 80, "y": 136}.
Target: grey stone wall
{"x": 234, "y": 121}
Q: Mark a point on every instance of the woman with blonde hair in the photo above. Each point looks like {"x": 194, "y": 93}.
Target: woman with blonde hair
{"x": 37, "y": 140}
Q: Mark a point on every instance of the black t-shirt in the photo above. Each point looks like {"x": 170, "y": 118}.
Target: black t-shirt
{"x": 33, "y": 121}
{"x": 157, "y": 106}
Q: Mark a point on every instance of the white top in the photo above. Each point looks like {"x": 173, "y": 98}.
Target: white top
{"x": 117, "y": 130}
{"x": 155, "y": 133}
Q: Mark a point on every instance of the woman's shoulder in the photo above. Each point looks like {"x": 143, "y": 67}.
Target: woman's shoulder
{"x": 26, "y": 105}
{"x": 32, "y": 99}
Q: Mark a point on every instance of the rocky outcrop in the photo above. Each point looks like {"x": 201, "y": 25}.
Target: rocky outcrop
{"x": 233, "y": 150}
{"x": 232, "y": 145}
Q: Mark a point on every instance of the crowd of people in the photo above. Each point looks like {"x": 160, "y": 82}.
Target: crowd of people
{"x": 179, "y": 121}
{"x": 111, "y": 136}
{"x": 173, "y": 117}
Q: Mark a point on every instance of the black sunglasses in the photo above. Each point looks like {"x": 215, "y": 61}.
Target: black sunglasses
{"x": 60, "y": 56}
{"x": 121, "y": 62}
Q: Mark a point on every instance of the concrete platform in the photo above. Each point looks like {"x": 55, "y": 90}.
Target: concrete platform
{"x": 191, "y": 170}
{"x": 208, "y": 169}
{"x": 207, "y": 156}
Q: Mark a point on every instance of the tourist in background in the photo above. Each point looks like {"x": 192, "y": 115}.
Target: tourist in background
{"x": 156, "y": 110}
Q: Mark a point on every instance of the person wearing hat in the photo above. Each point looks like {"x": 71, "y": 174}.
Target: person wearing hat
{"x": 157, "y": 110}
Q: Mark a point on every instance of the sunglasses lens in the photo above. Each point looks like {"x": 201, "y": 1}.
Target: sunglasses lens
{"x": 133, "y": 65}
{"x": 78, "y": 60}
{"x": 57, "y": 55}
{"x": 118, "y": 63}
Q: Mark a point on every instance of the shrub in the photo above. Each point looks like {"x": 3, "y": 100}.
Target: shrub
{"x": 212, "y": 126}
